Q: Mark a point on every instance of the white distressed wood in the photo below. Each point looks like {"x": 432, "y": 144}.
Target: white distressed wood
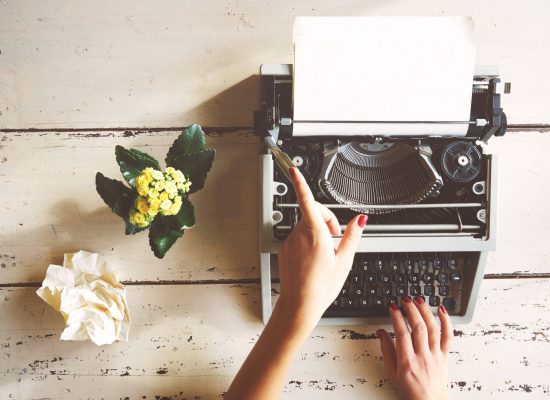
{"x": 138, "y": 63}
{"x": 524, "y": 189}
{"x": 188, "y": 341}
{"x": 50, "y": 206}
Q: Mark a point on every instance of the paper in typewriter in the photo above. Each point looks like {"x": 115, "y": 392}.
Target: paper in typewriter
{"x": 414, "y": 72}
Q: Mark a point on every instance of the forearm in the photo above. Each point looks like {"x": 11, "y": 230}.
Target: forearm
{"x": 263, "y": 373}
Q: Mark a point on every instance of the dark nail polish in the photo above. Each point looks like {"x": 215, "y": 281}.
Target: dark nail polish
{"x": 443, "y": 309}
{"x": 419, "y": 299}
{"x": 406, "y": 299}
{"x": 362, "y": 221}
{"x": 393, "y": 306}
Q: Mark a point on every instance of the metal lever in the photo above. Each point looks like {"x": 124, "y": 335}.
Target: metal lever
{"x": 283, "y": 160}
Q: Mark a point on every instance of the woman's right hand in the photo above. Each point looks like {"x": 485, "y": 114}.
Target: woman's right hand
{"x": 311, "y": 269}
{"x": 416, "y": 362}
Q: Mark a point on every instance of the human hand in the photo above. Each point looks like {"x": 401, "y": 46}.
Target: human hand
{"x": 417, "y": 362}
{"x": 312, "y": 271}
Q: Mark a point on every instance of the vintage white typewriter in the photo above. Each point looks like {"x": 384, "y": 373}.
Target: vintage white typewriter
{"x": 388, "y": 117}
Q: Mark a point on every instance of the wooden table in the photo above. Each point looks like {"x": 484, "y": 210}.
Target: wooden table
{"x": 77, "y": 78}
{"x": 196, "y": 313}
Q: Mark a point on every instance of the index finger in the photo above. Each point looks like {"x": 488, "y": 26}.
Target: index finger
{"x": 403, "y": 341}
{"x": 306, "y": 201}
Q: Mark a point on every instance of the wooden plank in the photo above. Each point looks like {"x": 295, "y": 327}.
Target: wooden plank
{"x": 143, "y": 64}
{"x": 190, "y": 341}
{"x": 51, "y": 207}
{"x": 524, "y": 188}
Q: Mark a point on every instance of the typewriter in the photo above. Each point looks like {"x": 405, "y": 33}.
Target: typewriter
{"x": 431, "y": 202}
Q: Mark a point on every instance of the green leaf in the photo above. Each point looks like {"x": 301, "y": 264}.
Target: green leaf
{"x": 184, "y": 219}
{"x": 132, "y": 162}
{"x": 118, "y": 197}
{"x": 190, "y": 141}
{"x": 186, "y": 216}
{"x": 162, "y": 237}
{"x": 196, "y": 167}
{"x": 132, "y": 229}
{"x": 165, "y": 230}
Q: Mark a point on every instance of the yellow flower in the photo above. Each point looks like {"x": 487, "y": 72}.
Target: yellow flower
{"x": 142, "y": 223}
{"x": 141, "y": 180}
{"x": 142, "y": 185}
{"x": 154, "y": 204}
{"x": 158, "y": 191}
{"x": 171, "y": 188}
{"x": 165, "y": 205}
{"x": 160, "y": 185}
{"x": 153, "y": 193}
{"x": 174, "y": 209}
{"x": 157, "y": 175}
{"x": 178, "y": 176}
{"x": 141, "y": 204}
{"x": 139, "y": 220}
{"x": 147, "y": 173}
{"x": 143, "y": 190}
{"x": 184, "y": 187}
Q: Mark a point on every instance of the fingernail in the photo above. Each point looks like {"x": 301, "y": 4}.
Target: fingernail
{"x": 292, "y": 172}
{"x": 379, "y": 333}
{"x": 406, "y": 299}
{"x": 443, "y": 309}
{"x": 362, "y": 221}
{"x": 419, "y": 299}
{"x": 393, "y": 306}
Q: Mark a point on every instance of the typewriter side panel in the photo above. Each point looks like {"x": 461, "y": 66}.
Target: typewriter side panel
{"x": 266, "y": 197}
{"x": 473, "y": 280}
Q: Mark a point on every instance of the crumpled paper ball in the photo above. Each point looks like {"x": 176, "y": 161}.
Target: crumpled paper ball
{"x": 88, "y": 295}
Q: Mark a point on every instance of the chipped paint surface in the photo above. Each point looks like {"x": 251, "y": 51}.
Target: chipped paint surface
{"x": 196, "y": 314}
{"x": 179, "y": 332}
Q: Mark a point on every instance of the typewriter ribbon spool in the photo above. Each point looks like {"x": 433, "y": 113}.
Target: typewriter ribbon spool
{"x": 461, "y": 161}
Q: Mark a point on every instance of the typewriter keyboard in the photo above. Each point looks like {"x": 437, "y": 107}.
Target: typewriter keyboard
{"x": 377, "y": 280}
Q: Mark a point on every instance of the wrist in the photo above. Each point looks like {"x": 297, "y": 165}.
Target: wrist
{"x": 295, "y": 320}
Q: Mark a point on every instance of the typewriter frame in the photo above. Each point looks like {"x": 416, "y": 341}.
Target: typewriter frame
{"x": 391, "y": 243}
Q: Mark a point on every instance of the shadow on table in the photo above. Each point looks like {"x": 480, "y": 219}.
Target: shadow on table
{"x": 40, "y": 246}
{"x": 229, "y": 107}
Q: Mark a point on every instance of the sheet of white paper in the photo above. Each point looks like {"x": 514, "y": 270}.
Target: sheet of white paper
{"x": 398, "y": 69}
{"x": 91, "y": 300}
